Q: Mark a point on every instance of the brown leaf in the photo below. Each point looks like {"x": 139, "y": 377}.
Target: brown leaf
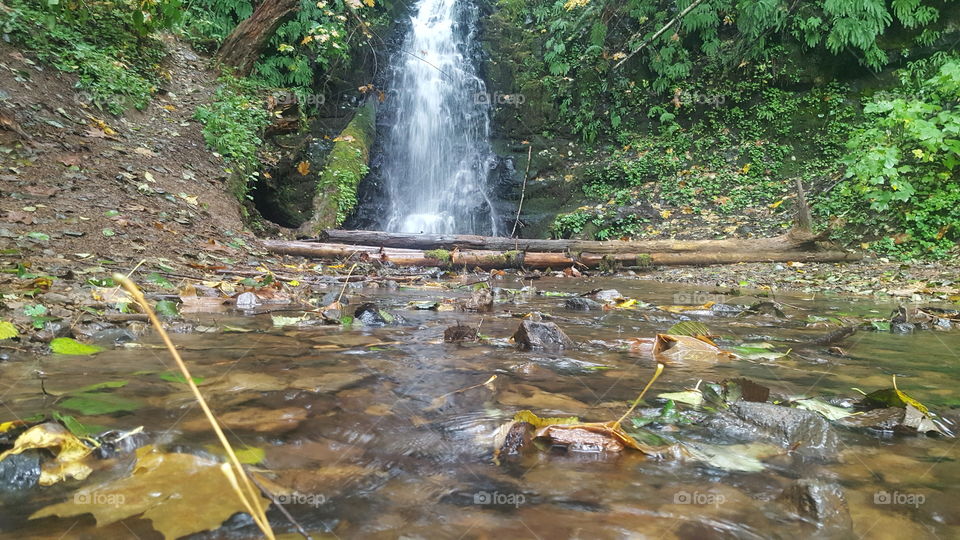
{"x": 41, "y": 191}
{"x": 181, "y": 494}
{"x": 71, "y": 160}
{"x": 669, "y": 348}
{"x": 303, "y": 168}
{"x": 15, "y": 216}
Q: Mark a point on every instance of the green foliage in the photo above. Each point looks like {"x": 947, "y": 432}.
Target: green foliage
{"x": 903, "y": 162}
{"x": 233, "y": 125}
{"x": 583, "y": 40}
{"x": 107, "y": 44}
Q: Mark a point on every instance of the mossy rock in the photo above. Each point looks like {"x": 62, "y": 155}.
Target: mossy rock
{"x": 346, "y": 165}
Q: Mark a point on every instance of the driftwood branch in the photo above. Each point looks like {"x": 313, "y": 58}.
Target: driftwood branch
{"x": 508, "y": 258}
{"x": 796, "y": 240}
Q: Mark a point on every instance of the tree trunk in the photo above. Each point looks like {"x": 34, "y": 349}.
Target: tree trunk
{"x": 489, "y": 259}
{"x": 242, "y": 47}
{"x": 794, "y": 240}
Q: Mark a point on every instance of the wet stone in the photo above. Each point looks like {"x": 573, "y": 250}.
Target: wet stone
{"x": 112, "y": 336}
{"x": 20, "y": 471}
{"x": 247, "y": 300}
{"x": 457, "y": 333}
{"x": 481, "y": 300}
{"x": 806, "y": 432}
{"x": 541, "y": 335}
{"x": 608, "y": 295}
{"x": 578, "y": 303}
{"x": 822, "y": 503}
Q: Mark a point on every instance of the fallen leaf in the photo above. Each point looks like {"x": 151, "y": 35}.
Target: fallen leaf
{"x": 687, "y": 349}
{"x": 69, "y": 456}
{"x": 303, "y": 168}
{"x": 181, "y": 494}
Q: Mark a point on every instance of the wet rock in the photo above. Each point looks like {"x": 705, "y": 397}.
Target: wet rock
{"x": 822, "y": 503}
{"x": 180, "y": 328}
{"x": 20, "y": 471}
{"x": 481, "y": 300}
{"x": 112, "y": 336}
{"x": 883, "y": 419}
{"x": 727, "y": 309}
{"x": 902, "y": 328}
{"x": 332, "y": 297}
{"x": 458, "y": 333}
{"x": 608, "y": 296}
{"x": 114, "y": 443}
{"x": 578, "y": 303}
{"x": 51, "y": 330}
{"x": 806, "y": 433}
{"x": 85, "y": 331}
{"x": 541, "y": 335}
{"x": 247, "y": 300}
{"x": 370, "y": 315}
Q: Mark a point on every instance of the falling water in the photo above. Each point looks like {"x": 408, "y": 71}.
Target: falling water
{"x": 437, "y": 154}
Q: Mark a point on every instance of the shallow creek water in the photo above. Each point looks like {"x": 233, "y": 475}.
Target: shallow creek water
{"x": 383, "y": 458}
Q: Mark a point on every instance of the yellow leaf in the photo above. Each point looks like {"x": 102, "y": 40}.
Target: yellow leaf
{"x": 665, "y": 214}
{"x": 181, "y": 494}
{"x": 303, "y": 168}
{"x": 745, "y": 169}
{"x": 71, "y": 451}
{"x": 776, "y": 204}
{"x": 537, "y": 422}
{"x": 344, "y": 138}
{"x": 8, "y": 330}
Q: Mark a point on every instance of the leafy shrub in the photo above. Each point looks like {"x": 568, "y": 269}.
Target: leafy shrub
{"x": 903, "y": 162}
{"x": 233, "y": 125}
{"x": 106, "y": 43}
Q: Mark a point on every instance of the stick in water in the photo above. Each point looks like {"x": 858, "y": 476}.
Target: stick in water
{"x": 640, "y": 397}
{"x": 249, "y": 496}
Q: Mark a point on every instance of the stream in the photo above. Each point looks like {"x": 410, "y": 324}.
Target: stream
{"x": 389, "y": 431}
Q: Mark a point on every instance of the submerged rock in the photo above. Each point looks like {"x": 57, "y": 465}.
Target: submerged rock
{"x": 804, "y": 432}
{"x": 578, "y": 303}
{"x": 370, "y": 315}
{"x": 822, "y": 503}
{"x": 541, "y": 335}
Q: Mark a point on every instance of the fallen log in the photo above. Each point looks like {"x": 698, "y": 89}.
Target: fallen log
{"x": 490, "y": 259}
{"x": 795, "y": 240}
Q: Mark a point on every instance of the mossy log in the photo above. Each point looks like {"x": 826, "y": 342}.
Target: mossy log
{"x": 346, "y": 165}
{"x": 490, "y": 259}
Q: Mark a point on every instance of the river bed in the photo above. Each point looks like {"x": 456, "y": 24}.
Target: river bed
{"x": 391, "y": 430}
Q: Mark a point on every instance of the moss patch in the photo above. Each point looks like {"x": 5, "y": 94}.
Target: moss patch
{"x": 441, "y": 255}
{"x": 345, "y": 167}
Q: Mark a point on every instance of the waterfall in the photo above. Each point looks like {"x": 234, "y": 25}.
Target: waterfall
{"x": 436, "y": 156}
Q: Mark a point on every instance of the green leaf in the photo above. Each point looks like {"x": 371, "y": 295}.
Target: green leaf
{"x": 108, "y": 232}
{"x": 167, "y": 308}
{"x": 75, "y": 426}
{"x": 97, "y": 404}
{"x": 171, "y": 376}
{"x": 65, "y": 345}
{"x": 100, "y": 386}
{"x": 159, "y": 280}
{"x": 690, "y": 397}
{"x": 8, "y": 330}
{"x": 43, "y": 237}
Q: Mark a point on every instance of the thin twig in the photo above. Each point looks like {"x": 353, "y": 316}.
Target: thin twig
{"x": 523, "y": 190}
{"x": 250, "y": 499}
{"x": 346, "y": 282}
{"x": 640, "y": 397}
